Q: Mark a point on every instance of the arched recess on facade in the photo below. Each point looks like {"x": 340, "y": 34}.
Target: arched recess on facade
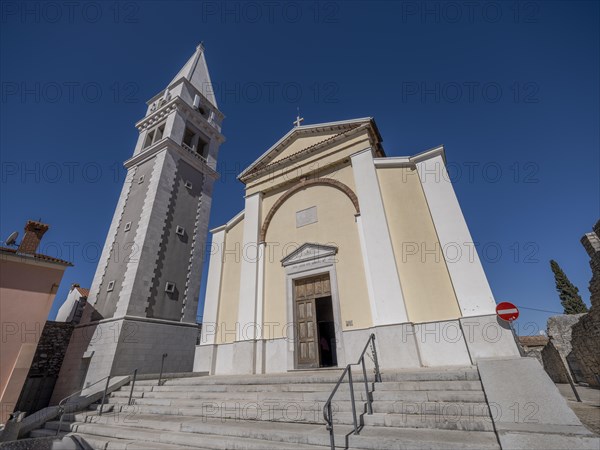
{"x": 303, "y": 185}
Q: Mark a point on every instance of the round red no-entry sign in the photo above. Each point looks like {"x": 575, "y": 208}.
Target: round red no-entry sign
{"x": 507, "y": 311}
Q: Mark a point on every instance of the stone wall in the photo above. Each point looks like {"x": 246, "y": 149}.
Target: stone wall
{"x": 557, "y": 354}
{"x": 45, "y": 367}
{"x": 532, "y": 346}
{"x": 586, "y": 333}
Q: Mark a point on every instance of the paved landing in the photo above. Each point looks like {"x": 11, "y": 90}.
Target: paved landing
{"x": 588, "y": 410}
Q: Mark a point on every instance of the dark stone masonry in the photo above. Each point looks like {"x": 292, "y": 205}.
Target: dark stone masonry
{"x": 586, "y": 333}
{"x": 45, "y": 367}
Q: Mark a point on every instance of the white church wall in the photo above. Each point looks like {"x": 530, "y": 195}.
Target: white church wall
{"x": 428, "y": 292}
{"x": 468, "y": 278}
{"x": 213, "y": 289}
{"x": 397, "y": 346}
{"x": 224, "y": 362}
{"x": 276, "y": 354}
{"x": 489, "y": 337}
{"x": 230, "y": 284}
{"x": 441, "y": 344}
{"x": 387, "y": 292}
{"x": 249, "y": 268}
{"x": 204, "y": 358}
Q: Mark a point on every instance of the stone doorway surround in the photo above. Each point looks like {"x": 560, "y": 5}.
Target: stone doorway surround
{"x": 312, "y": 259}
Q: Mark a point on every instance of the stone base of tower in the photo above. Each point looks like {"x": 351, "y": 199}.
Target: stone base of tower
{"x": 121, "y": 345}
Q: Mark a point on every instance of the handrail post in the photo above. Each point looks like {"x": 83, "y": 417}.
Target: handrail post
{"x": 330, "y": 426}
{"x": 374, "y": 350}
{"x": 369, "y": 402}
{"x": 132, "y": 385}
{"x": 62, "y": 413}
{"x": 161, "y": 367}
{"x": 104, "y": 395}
{"x": 352, "y": 399}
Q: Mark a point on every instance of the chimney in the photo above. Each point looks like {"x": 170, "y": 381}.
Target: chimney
{"x": 33, "y": 235}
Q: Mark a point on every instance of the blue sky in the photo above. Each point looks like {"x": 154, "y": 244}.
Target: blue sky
{"x": 510, "y": 89}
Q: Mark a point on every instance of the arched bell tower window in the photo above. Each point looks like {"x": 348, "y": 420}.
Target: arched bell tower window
{"x": 195, "y": 141}
{"x": 154, "y": 135}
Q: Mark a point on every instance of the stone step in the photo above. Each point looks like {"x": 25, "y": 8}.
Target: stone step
{"x": 290, "y": 409}
{"x": 438, "y": 374}
{"x": 241, "y": 396}
{"x": 449, "y": 409}
{"x": 176, "y": 439}
{"x": 327, "y": 376}
{"x": 420, "y": 421}
{"x": 111, "y": 443}
{"x": 378, "y": 438}
{"x": 455, "y": 385}
{"x": 359, "y": 394}
{"x": 45, "y": 432}
{"x": 324, "y": 376}
{"x": 447, "y": 385}
{"x": 264, "y": 410}
{"x": 430, "y": 396}
{"x": 219, "y": 434}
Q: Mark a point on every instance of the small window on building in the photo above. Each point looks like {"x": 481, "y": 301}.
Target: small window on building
{"x": 188, "y": 184}
{"x": 111, "y": 286}
{"x": 170, "y": 287}
{"x": 128, "y": 226}
{"x": 141, "y": 179}
{"x": 179, "y": 230}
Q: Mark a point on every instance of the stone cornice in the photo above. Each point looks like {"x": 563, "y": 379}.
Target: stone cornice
{"x": 167, "y": 143}
{"x": 175, "y": 104}
{"x": 410, "y": 161}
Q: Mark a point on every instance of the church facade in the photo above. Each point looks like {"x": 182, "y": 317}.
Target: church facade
{"x": 338, "y": 241}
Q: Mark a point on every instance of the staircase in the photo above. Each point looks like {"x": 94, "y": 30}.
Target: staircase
{"x": 416, "y": 409}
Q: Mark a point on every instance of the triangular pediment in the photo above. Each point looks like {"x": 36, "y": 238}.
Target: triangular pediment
{"x": 304, "y": 139}
{"x": 309, "y": 252}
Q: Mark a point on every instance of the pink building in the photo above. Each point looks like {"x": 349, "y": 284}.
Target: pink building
{"x": 28, "y": 284}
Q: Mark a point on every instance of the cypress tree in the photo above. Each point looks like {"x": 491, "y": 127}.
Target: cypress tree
{"x": 569, "y": 294}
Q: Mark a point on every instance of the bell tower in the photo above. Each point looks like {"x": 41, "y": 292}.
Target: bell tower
{"x": 144, "y": 296}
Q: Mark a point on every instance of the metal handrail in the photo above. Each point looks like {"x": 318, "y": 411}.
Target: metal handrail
{"x": 327, "y": 410}
{"x": 61, "y": 404}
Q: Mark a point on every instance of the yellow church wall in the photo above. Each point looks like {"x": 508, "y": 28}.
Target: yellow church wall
{"x": 342, "y": 173}
{"x": 314, "y": 165}
{"x": 426, "y": 285}
{"x": 230, "y": 284}
{"x": 336, "y": 226}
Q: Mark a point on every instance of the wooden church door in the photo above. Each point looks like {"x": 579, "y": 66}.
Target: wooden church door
{"x": 306, "y": 291}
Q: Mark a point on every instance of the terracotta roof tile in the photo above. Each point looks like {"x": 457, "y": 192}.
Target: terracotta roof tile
{"x": 84, "y": 292}
{"x": 533, "y": 341}
{"x": 39, "y": 256}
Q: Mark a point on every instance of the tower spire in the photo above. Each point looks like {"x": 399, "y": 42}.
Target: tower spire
{"x": 195, "y": 71}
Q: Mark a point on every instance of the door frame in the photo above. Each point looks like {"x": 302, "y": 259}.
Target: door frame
{"x": 304, "y": 269}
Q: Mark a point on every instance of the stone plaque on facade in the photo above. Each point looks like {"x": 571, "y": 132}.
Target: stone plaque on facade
{"x": 306, "y": 217}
